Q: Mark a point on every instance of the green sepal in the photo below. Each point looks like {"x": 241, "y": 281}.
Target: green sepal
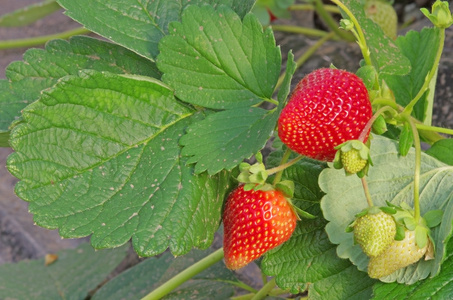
{"x": 400, "y": 232}
{"x": 406, "y": 139}
{"x": 303, "y": 214}
{"x": 388, "y": 210}
{"x": 286, "y": 187}
{"x": 410, "y": 223}
{"x": 421, "y": 236}
{"x": 433, "y": 217}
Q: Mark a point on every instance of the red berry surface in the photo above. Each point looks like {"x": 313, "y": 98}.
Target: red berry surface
{"x": 327, "y": 108}
{"x": 255, "y": 222}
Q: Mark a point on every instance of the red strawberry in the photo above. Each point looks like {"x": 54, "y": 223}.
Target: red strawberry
{"x": 327, "y": 108}
{"x": 255, "y": 221}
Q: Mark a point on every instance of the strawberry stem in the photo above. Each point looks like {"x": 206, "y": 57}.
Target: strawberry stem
{"x": 185, "y": 275}
{"x": 434, "y": 128}
{"x": 283, "y": 165}
{"x": 359, "y": 33}
{"x": 265, "y": 290}
{"x": 418, "y": 157}
{"x": 367, "y": 192}
{"x": 370, "y": 122}
{"x": 333, "y": 25}
{"x": 330, "y": 8}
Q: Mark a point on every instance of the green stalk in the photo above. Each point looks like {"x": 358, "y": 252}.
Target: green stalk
{"x": 434, "y": 128}
{"x": 366, "y": 189}
{"x": 330, "y": 8}
{"x": 432, "y": 72}
{"x": 371, "y": 121}
{"x": 418, "y": 158}
{"x": 265, "y": 290}
{"x": 280, "y": 168}
{"x": 40, "y": 40}
{"x": 333, "y": 25}
{"x": 307, "y": 54}
{"x": 298, "y": 29}
{"x": 185, "y": 275}
{"x": 360, "y": 37}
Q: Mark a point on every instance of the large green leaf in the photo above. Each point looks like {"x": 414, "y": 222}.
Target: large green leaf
{"x": 41, "y": 69}
{"x": 99, "y": 154}
{"x": 213, "y": 283}
{"x": 390, "y": 179}
{"x": 439, "y": 287}
{"x": 419, "y": 48}
{"x": 73, "y": 275}
{"x": 386, "y": 57}
{"x": 215, "y": 60}
{"x": 137, "y": 25}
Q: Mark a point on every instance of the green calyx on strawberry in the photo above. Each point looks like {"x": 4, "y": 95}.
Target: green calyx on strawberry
{"x": 384, "y": 15}
{"x": 327, "y": 108}
{"x": 255, "y": 221}
{"x": 354, "y": 157}
{"x": 412, "y": 242}
{"x": 374, "y": 229}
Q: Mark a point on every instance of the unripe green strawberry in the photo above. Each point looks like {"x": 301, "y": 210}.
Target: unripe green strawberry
{"x": 374, "y": 232}
{"x": 354, "y": 157}
{"x": 352, "y": 161}
{"x": 327, "y": 108}
{"x": 383, "y": 14}
{"x": 399, "y": 254}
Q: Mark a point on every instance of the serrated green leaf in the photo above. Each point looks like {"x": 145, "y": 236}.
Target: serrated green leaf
{"x": 215, "y": 60}
{"x": 41, "y": 69}
{"x": 385, "y": 56}
{"x": 421, "y": 49}
{"x": 136, "y": 282}
{"x": 391, "y": 179}
{"x": 72, "y": 276}
{"x": 99, "y": 154}
{"x": 29, "y": 14}
{"x": 439, "y": 287}
{"x": 138, "y": 26}
{"x": 224, "y": 139}
{"x": 442, "y": 150}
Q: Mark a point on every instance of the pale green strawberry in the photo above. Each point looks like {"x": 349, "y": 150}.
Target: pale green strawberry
{"x": 352, "y": 162}
{"x": 399, "y": 254}
{"x": 374, "y": 232}
{"x": 383, "y": 14}
{"x": 353, "y": 156}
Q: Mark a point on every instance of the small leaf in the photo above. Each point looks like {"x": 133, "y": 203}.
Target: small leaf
{"x": 227, "y": 63}
{"x": 406, "y": 139}
{"x": 224, "y": 139}
{"x": 421, "y": 49}
{"x": 72, "y": 276}
{"x": 442, "y": 150}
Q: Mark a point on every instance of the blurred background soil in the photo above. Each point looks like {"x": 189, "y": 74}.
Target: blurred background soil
{"x": 21, "y": 239}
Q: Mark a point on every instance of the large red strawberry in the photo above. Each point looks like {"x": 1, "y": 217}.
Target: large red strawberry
{"x": 327, "y": 108}
{"x": 255, "y": 221}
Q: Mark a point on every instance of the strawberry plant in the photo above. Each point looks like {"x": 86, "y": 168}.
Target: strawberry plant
{"x": 158, "y": 136}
